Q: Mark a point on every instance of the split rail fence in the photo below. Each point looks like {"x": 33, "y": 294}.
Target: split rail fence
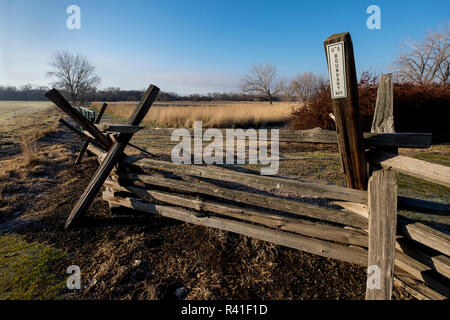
{"x": 358, "y": 224}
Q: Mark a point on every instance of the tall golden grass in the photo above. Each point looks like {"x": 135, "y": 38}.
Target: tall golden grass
{"x": 29, "y": 149}
{"x": 212, "y": 114}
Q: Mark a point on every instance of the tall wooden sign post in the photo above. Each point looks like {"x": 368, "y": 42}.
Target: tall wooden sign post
{"x": 344, "y": 92}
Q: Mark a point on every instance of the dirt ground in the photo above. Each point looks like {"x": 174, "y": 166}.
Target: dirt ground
{"x": 123, "y": 256}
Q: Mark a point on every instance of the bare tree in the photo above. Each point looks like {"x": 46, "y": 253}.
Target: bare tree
{"x": 262, "y": 82}
{"x": 304, "y": 85}
{"x": 74, "y": 74}
{"x": 427, "y": 61}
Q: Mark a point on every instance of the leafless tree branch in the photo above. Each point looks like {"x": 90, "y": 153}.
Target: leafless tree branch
{"x": 303, "y": 86}
{"x": 262, "y": 82}
{"x": 427, "y": 61}
{"x": 74, "y": 74}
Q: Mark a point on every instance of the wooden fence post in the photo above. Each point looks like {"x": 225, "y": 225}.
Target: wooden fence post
{"x": 382, "y": 204}
{"x": 383, "y": 118}
{"x": 344, "y": 92}
{"x": 382, "y": 231}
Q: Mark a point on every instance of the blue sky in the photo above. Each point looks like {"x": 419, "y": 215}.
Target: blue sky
{"x": 203, "y": 46}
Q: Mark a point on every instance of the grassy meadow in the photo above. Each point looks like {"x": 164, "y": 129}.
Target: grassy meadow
{"x": 221, "y": 114}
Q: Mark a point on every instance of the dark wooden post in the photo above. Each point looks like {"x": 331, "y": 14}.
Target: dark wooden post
{"x": 112, "y": 157}
{"x": 344, "y": 92}
{"x": 86, "y": 141}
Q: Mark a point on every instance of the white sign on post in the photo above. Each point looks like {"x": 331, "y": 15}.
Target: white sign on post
{"x": 336, "y": 66}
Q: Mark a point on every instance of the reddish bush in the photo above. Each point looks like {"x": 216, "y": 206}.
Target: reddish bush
{"x": 423, "y": 109}
{"x": 417, "y": 108}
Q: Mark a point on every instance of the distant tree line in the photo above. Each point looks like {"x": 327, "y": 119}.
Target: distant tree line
{"x": 37, "y": 93}
{"x": 115, "y": 94}
{"x": 23, "y": 93}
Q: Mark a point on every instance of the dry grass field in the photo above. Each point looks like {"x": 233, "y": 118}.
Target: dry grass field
{"x": 27, "y": 171}
{"x": 146, "y": 257}
{"x": 176, "y": 114}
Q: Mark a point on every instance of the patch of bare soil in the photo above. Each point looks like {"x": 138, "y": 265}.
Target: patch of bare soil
{"x": 123, "y": 256}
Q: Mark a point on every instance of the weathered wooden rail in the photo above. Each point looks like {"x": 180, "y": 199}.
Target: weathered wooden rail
{"x": 192, "y": 196}
{"x": 317, "y": 135}
{"x": 352, "y": 224}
